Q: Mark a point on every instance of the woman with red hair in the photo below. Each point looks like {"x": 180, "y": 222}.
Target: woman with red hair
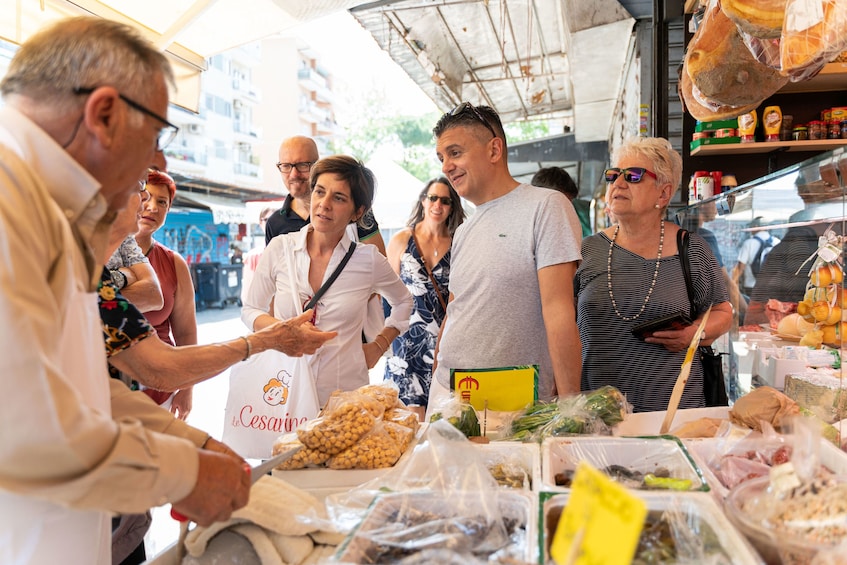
{"x": 176, "y": 322}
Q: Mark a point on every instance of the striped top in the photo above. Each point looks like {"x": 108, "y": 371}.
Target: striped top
{"x": 611, "y": 355}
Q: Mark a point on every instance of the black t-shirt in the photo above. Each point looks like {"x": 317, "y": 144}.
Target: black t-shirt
{"x": 286, "y": 220}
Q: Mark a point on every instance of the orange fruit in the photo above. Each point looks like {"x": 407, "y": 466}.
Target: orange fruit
{"x": 821, "y": 276}
{"x": 820, "y": 310}
{"x": 834, "y": 315}
{"x": 815, "y": 294}
{"x": 834, "y": 334}
{"x": 836, "y": 273}
{"x": 841, "y": 297}
{"x": 812, "y": 339}
{"x": 804, "y": 308}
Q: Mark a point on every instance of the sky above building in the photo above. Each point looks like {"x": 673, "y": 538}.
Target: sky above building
{"x": 359, "y": 66}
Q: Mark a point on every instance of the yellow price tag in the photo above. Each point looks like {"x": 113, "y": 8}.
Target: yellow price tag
{"x": 505, "y": 388}
{"x": 598, "y": 510}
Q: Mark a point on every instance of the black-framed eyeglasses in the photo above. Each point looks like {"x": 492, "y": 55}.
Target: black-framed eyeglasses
{"x": 465, "y": 106}
{"x": 302, "y": 167}
{"x": 630, "y": 174}
{"x": 445, "y": 200}
{"x": 166, "y": 134}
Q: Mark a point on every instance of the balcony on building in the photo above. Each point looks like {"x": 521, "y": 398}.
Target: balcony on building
{"x": 186, "y": 159}
{"x": 244, "y": 90}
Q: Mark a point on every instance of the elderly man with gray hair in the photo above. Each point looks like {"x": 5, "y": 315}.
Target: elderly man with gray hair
{"x": 86, "y": 101}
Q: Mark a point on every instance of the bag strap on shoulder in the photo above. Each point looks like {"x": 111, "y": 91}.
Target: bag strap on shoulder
{"x": 682, "y": 245}
{"x": 331, "y": 278}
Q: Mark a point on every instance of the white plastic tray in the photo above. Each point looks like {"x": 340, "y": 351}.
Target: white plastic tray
{"x": 700, "y": 507}
{"x": 329, "y": 480}
{"x": 644, "y": 455}
{"x": 513, "y": 504}
{"x": 527, "y": 456}
{"x": 706, "y": 449}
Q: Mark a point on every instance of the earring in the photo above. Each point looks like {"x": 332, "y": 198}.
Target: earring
{"x": 656, "y": 206}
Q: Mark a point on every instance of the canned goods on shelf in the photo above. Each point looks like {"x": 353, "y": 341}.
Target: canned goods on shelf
{"x": 815, "y": 129}
{"x": 801, "y": 133}
{"x": 834, "y": 130}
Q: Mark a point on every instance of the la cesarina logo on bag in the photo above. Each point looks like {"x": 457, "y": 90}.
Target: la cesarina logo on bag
{"x": 276, "y": 391}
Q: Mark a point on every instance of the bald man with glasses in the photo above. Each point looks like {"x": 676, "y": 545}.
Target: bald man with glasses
{"x": 296, "y": 156}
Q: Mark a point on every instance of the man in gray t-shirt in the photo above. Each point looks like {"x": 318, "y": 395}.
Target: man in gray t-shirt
{"x": 512, "y": 268}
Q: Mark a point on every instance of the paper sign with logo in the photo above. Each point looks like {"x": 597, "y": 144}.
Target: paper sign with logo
{"x": 505, "y": 388}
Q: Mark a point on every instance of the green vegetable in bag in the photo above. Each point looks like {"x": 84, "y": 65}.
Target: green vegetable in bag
{"x": 466, "y": 421}
{"x": 607, "y": 403}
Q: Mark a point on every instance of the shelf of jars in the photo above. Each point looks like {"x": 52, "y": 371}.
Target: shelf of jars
{"x": 768, "y": 147}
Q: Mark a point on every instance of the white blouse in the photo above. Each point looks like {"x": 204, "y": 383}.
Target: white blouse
{"x": 340, "y": 363}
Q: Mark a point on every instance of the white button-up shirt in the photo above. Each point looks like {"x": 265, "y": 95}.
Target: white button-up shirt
{"x": 283, "y": 275}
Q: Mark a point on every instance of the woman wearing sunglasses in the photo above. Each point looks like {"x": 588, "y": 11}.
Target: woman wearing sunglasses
{"x": 631, "y": 273}
{"x": 420, "y": 254}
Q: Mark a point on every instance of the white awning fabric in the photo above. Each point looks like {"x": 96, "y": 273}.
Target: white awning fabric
{"x": 188, "y": 31}
{"x": 224, "y": 210}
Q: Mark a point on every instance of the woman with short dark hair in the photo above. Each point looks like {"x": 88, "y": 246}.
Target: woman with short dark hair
{"x": 298, "y": 263}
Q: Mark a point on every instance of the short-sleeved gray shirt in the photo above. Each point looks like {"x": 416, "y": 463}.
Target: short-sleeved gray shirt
{"x": 495, "y": 317}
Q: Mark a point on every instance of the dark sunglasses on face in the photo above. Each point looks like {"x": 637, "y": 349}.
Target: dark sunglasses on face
{"x": 445, "y": 200}
{"x": 630, "y": 174}
{"x": 467, "y": 106}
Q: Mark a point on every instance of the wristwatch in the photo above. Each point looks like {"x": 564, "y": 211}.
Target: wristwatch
{"x": 118, "y": 278}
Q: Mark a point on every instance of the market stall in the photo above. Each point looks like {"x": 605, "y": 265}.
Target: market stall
{"x": 429, "y": 493}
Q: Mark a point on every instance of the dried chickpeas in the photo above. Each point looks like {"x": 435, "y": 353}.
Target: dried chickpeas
{"x": 333, "y": 434}
{"x": 375, "y": 451}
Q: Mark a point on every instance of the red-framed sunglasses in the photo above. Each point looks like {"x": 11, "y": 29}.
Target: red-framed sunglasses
{"x": 630, "y": 174}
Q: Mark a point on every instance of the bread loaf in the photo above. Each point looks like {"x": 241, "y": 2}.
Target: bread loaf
{"x": 810, "y": 39}
{"x": 759, "y": 18}
{"x": 723, "y": 69}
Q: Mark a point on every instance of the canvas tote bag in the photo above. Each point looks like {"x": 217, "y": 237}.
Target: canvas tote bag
{"x": 270, "y": 394}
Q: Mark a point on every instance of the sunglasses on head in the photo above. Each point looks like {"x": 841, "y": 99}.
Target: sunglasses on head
{"x": 467, "y": 106}
{"x": 630, "y": 174}
{"x": 445, "y": 200}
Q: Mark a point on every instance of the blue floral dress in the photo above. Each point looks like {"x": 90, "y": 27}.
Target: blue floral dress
{"x": 410, "y": 366}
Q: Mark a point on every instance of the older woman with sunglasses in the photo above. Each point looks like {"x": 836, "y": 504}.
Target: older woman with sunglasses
{"x": 631, "y": 273}
{"x": 420, "y": 254}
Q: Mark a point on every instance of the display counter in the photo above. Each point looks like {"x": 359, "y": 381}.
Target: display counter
{"x": 767, "y": 236}
{"x": 502, "y": 501}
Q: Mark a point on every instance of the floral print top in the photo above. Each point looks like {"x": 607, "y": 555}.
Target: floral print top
{"x": 123, "y": 324}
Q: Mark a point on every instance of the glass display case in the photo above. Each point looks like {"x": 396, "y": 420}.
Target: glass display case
{"x": 768, "y": 236}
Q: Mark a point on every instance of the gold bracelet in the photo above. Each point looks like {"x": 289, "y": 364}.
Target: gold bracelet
{"x": 387, "y": 343}
{"x": 249, "y": 347}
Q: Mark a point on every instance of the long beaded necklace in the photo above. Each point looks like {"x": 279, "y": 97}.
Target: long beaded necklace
{"x": 652, "y": 284}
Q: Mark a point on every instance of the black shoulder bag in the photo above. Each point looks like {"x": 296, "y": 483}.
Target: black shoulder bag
{"x": 311, "y": 303}
{"x": 714, "y": 386}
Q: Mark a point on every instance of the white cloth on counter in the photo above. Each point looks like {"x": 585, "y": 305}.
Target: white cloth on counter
{"x": 278, "y": 522}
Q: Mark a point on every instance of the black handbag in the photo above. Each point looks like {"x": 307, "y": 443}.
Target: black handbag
{"x": 714, "y": 385}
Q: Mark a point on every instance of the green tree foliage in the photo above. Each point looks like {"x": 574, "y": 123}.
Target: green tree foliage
{"x": 526, "y": 130}
{"x": 371, "y": 124}
{"x": 372, "y": 127}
